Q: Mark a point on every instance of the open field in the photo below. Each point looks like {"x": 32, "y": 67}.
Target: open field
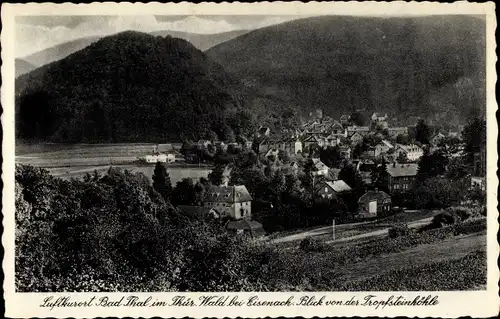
{"x": 76, "y": 160}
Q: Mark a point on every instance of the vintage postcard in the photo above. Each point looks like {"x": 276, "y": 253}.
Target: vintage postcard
{"x": 249, "y": 160}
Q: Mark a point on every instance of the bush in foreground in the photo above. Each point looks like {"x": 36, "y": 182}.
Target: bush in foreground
{"x": 441, "y": 219}
{"x": 446, "y": 275}
{"x": 312, "y": 245}
{"x": 399, "y": 230}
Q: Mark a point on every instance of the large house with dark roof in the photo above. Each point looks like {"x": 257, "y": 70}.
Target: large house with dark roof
{"x": 233, "y": 201}
{"x": 402, "y": 176}
{"x": 363, "y": 130}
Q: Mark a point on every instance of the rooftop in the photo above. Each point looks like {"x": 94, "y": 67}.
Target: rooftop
{"x": 374, "y": 194}
{"x": 396, "y": 170}
{"x": 227, "y": 194}
{"x": 339, "y": 186}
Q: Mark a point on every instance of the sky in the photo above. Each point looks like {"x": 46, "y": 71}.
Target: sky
{"x": 35, "y": 33}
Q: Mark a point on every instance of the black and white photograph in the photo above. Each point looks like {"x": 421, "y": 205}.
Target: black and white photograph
{"x": 251, "y": 153}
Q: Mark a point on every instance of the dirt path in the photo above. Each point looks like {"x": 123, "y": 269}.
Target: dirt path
{"x": 346, "y": 227}
{"x": 380, "y": 232}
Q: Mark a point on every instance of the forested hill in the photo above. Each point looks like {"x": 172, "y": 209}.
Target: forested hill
{"x": 60, "y": 51}
{"x": 129, "y": 87}
{"x": 428, "y": 66}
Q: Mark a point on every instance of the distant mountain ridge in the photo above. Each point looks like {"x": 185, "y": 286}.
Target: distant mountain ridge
{"x": 128, "y": 87}
{"x": 22, "y": 67}
{"x": 60, "y": 51}
{"x": 428, "y": 66}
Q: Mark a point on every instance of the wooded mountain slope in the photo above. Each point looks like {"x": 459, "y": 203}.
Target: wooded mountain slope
{"x": 129, "y": 87}
{"x": 200, "y": 41}
{"x": 428, "y": 66}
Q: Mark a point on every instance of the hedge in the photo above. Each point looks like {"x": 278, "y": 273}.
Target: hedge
{"x": 446, "y": 275}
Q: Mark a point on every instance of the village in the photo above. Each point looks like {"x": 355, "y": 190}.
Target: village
{"x": 382, "y": 162}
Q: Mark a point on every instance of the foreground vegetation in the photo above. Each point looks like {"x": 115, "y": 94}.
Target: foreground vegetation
{"x": 119, "y": 233}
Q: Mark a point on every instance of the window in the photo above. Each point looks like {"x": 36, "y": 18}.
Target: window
{"x": 326, "y": 189}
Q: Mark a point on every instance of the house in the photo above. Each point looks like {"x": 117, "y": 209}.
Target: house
{"x": 478, "y": 182}
{"x": 292, "y": 146}
{"x": 383, "y": 147}
{"x": 219, "y": 145}
{"x": 373, "y": 203}
{"x": 346, "y": 152}
{"x": 363, "y": 130}
{"x": 319, "y": 168}
{"x": 332, "y": 140}
{"x": 378, "y": 117}
{"x": 311, "y": 140}
{"x": 333, "y": 174}
{"x": 246, "y": 227}
{"x": 232, "y": 201}
{"x": 247, "y": 144}
{"x": 264, "y": 131}
{"x": 436, "y": 138}
{"x": 401, "y": 176}
{"x": 204, "y": 143}
{"x": 337, "y": 129}
{"x": 265, "y": 145}
{"x": 344, "y": 119}
{"x": 413, "y": 152}
{"x": 197, "y": 211}
{"x": 356, "y": 138}
{"x": 272, "y": 152}
{"x": 318, "y": 127}
{"x": 369, "y": 153}
{"x": 164, "y": 148}
{"x": 154, "y": 158}
{"x": 331, "y": 190}
{"x": 395, "y": 131}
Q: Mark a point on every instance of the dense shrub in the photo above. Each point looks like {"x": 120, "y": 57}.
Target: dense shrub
{"x": 116, "y": 233}
{"x": 398, "y": 230}
{"x": 441, "y": 219}
{"x": 447, "y": 275}
{"x": 310, "y": 244}
{"x": 462, "y": 213}
{"x": 470, "y": 227}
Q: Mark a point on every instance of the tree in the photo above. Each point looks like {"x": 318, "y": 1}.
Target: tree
{"x": 357, "y": 118}
{"x": 402, "y": 157}
{"x": 474, "y": 136}
{"x": 431, "y": 165}
{"x": 402, "y": 139}
{"x": 161, "y": 181}
{"x": 422, "y": 132}
{"x": 380, "y": 176}
{"x": 331, "y": 156}
{"x": 351, "y": 177}
{"x": 184, "y": 193}
{"x": 216, "y": 176}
